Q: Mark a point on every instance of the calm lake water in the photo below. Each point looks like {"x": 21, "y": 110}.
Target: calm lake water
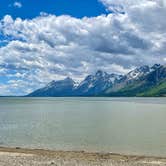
{"x": 120, "y": 125}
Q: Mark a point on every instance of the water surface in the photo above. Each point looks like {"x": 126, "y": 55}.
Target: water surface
{"x": 120, "y": 125}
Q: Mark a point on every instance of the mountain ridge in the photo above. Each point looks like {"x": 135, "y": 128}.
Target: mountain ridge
{"x": 142, "y": 81}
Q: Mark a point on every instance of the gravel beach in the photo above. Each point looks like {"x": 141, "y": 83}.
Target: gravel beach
{"x": 37, "y": 157}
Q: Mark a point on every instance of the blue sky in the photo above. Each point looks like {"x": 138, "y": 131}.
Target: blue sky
{"x": 32, "y": 8}
{"x": 47, "y": 40}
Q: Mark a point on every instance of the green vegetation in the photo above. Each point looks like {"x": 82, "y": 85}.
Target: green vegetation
{"x": 158, "y": 90}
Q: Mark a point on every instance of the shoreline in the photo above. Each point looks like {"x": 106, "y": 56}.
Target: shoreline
{"x": 37, "y": 157}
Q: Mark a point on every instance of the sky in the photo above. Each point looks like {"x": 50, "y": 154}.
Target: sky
{"x": 41, "y": 41}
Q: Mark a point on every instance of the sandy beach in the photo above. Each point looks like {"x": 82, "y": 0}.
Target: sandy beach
{"x": 38, "y": 157}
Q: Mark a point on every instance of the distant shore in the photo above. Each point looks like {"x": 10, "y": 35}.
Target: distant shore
{"x": 39, "y": 157}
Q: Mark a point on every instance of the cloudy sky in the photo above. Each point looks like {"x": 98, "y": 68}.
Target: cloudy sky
{"x": 50, "y": 40}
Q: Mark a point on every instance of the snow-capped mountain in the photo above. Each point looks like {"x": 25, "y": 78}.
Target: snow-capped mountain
{"x": 94, "y": 84}
{"x": 143, "y": 81}
{"x": 136, "y": 75}
{"x": 138, "y": 72}
{"x": 134, "y": 83}
{"x": 90, "y": 86}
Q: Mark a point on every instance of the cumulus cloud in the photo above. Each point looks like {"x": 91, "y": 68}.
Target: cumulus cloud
{"x": 50, "y": 47}
{"x": 126, "y": 5}
{"x": 17, "y": 4}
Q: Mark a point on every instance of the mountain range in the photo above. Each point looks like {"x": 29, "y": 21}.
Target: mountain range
{"x": 142, "y": 81}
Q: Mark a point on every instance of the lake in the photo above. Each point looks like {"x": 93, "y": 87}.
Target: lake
{"x": 119, "y": 125}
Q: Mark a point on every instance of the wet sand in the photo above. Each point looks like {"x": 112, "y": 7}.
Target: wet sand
{"x": 39, "y": 157}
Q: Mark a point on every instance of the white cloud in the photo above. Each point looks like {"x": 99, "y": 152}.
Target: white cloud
{"x": 126, "y": 5}
{"x": 50, "y": 47}
{"x": 17, "y": 4}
